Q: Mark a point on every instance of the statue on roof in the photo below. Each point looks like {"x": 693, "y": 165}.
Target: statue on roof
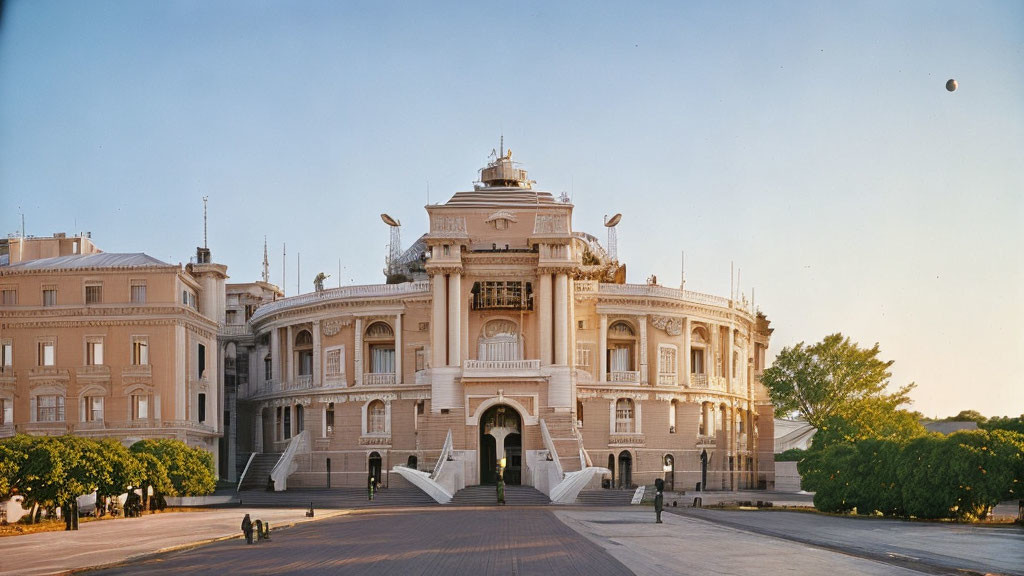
{"x": 318, "y": 282}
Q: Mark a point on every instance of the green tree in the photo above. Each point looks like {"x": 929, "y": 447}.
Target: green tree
{"x": 966, "y": 416}
{"x": 825, "y": 379}
{"x": 1004, "y": 423}
{"x": 190, "y": 470}
{"x": 864, "y": 418}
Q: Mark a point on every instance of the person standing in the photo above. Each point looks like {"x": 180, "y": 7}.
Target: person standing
{"x": 247, "y": 529}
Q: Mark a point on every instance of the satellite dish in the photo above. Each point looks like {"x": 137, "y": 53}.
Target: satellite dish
{"x": 951, "y": 85}
{"x": 613, "y": 221}
{"x": 389, "y": 220}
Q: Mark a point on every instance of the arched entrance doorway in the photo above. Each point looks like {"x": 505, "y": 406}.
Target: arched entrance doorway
{"x": 501, "y": 436}
{"x": 375, "y": 467}
{"x": 625, "y": 469}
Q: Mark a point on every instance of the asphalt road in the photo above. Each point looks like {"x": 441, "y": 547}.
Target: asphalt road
{"x": 442, "y": 541}
{"x": 931, "y": 547}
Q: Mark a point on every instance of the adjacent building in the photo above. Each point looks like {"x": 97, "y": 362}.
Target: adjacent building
{"x": 109, "y": 345}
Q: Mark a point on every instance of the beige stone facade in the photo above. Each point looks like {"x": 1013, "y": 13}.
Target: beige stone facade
{"x": 112, "y": 345}
{"x": 522, "y": 341}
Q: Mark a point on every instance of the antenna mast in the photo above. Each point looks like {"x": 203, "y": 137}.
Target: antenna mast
{"x": 205, "y": 198}
{"x": 682, "y": 274}
{"x": 266, "y": 262}
{"x": 284, "y": 267}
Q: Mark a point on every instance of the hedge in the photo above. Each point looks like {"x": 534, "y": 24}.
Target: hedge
{"x": 960, "y": 476}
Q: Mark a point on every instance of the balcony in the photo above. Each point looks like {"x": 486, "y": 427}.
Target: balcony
{"x": 137, "y": 371}
{"x": 707, "y": 382}
{"x": 501, "y": 368}
{"x": 704, "y": 441}
{"x": 44, "y": 428}
{"x": 379, "y": 379}
{"x": 303, "y": 382}
{"x": 95, "y": 372}
{"x": 667, "y": 380}
{"x": 48, "y": 373}
{"x": 625, "y": 377}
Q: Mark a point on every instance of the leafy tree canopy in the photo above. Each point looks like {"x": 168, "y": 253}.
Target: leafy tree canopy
{"x": 829, "y": 379}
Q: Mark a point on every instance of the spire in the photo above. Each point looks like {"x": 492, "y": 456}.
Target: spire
{"x": 266, "y": 262}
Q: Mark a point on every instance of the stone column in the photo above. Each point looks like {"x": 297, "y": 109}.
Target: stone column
{"x": 275, "y": 355}
{"x": 705, "y": 408}
{"x": 561, "y": 319}
{"x": 686, "y": 352}
{"x": 438, "y": 323}
{"x": 544, "y": 317}
{"x": 454, "y": 319}
{"x": 642, "y": 320}
{"x": 602, "y": 347}
{"x": 289, "y": 369}
{"x": 317, "y": 370}
{"x": 398, "y": 348}
{"x": 357, "y": 354}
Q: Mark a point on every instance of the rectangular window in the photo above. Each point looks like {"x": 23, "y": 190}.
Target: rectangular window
{"x": 330, "y": 418}
{"x": 138, "y": 292}
{"x": 421, "y": 359}
{"x": 582, "y": 357}
{"x": 94, "y": 352}
{"x": 93, "y": 406}
{"x": 49, "y": 408}
{"x": 140, "y": 406}
{"x": 6, "y": 411}
{"x": 334, "y": 362}
{"x": 287, "y": 422}
{"x": 47, "y": 354}
{"x": 6, "y": 355}
{"x": 697, "y": 361}
{"x": 9, "y": 297}
{"x": 201, "y": 361}
{"x": 202, "y": 407}
{"x": 382, "y": 359}
{"x": 94, "y": 294}
{"x": 666, "y": 360}
{"x": 268, "y": 368}
{"x": 140, "y": 351}
{"x": 620, "y": 359}
{"x": 231, "y": 317}
{"x": 49, "y": 296}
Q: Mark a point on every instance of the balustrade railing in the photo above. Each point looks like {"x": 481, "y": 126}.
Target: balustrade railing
{"x": 673, "y": 293}
{"x": 368, "y": 291}
{"x": 704, "y": 440}
{"x": 501, "y": 365}
{"x": 379, "y": 379}
{"x": 667, "y": 379}
{"x": 631, "y": 376}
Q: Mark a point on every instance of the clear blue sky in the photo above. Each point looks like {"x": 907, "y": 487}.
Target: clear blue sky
{"x": 813, "y": 143}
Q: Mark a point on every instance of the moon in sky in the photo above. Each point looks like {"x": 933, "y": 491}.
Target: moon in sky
{"x": 951, "y": 85}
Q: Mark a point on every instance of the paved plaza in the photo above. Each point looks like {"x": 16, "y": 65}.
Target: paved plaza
{"x": 591, "y": 541}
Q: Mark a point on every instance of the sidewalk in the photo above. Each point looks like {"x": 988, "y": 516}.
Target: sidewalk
{"x": 112, "y": 541}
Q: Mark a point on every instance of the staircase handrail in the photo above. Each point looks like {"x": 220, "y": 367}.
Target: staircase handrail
{"x": 550, "y": 445}
{"x": 286, "y": 464}
{"x": 446, "y": 451}
{"x": 585, "y": 461}
{"x": 245, "y": 471}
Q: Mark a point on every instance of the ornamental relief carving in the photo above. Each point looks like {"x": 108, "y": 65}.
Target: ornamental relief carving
{"x": 673, "y": 326}
{"x": 332, "y": 327}
{"x": 616, "y": 395}
{"x": 550, "y": 224}
{"x": 448, "y": 224}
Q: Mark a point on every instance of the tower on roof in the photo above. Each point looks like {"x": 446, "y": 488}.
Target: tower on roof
{"x": 502, "y": 173}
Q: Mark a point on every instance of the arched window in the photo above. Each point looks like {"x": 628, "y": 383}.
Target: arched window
{"x": 621, "y": 352}
{"x": 381, "y": 340}
{"x": 499, "y": 340}
{"x": 376, "y": 417}
{"x": 624, "y": 416}
{"x": 304, "y": 353}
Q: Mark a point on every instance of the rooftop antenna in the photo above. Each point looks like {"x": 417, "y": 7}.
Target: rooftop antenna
{"x": 394, "y": 245}
{"x": 339, "y": 272}
{"x": 732, "y": 275}
{"x": 739, "y": 273}
{"x": 205, "y": 198}
{"x": 284, "y": 267}
{"x": 613, "y": 240}
{"x": 266, "y": 262}
{"x": 21, "y": 245}
{"x": 298, "y": 274}
{"x": 501, "y": 147}
{"x": 682, "y": 274}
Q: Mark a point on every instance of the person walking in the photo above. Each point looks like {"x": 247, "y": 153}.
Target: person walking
{"x": 247, "y": 529}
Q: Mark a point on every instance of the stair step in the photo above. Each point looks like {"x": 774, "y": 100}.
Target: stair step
{"x": 486, "y": 495}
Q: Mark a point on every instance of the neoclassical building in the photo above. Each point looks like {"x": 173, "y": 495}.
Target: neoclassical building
{"x": 107, "y": 344}
{"x": 517, "y": 338}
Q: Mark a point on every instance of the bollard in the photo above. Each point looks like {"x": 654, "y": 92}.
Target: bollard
{"x": 266, "y": 531}
{"x": 309, "y": 513}
{"x": 259, "y": 530}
